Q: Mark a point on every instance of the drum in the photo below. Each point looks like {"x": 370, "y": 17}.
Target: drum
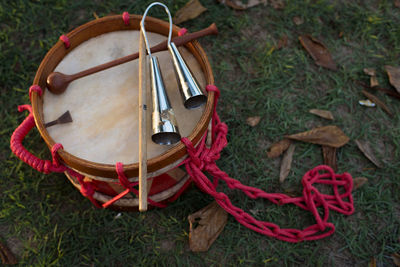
{"x": 104, "y": 109}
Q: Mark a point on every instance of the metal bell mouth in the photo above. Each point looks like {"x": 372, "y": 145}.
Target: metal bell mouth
{"x": 195, "y": 101}
{"x": 166, "y": 138}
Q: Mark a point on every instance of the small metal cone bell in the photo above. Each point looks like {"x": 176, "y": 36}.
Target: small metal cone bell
{"x": 192, "y": 95}
{"x": 165, "y": 127}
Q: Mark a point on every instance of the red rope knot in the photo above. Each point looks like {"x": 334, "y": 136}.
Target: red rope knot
{"x": 192, "y": 152}
{"x": 221, "y": 128}
{"x": 35, "y": 88}
{"x": 54, "y": 149}
{"x": 182, "y": 31}
{"x": 213, "y": 88}
{"x": 87, "y": 189}
{"x": 65, "y": 40}
{"x": 123, "y": 180}
{"x": 125, "y": 18}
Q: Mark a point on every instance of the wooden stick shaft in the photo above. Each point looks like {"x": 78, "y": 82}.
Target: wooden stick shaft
{"x": 142, "y": 124}
{"x": 181, "y": 40}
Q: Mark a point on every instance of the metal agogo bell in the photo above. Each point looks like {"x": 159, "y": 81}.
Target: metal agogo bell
{"x": 191, "y": 93}
{"x": 164, "y": 125}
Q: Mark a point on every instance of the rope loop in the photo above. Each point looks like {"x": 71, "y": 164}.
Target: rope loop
{"x": 65, "y": 40}
{"x": 35, "y": 88}
{"x": 125, "y": 18}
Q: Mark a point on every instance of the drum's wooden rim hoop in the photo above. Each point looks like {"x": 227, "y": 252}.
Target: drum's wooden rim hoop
{"x": 95, "y": 28}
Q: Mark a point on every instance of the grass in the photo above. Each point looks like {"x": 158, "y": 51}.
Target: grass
{"x": 47, "y": 222}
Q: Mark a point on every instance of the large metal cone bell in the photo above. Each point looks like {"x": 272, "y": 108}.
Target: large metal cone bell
{"x": 165, "y": 127}
{"x": 192, "y": 95}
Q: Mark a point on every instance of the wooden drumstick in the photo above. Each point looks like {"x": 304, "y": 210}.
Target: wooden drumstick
{"x": 143, "y": 67}
{"x": 58, "y": 82}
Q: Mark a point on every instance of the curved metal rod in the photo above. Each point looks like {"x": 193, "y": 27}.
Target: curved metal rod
{"x": 142, "y": 24}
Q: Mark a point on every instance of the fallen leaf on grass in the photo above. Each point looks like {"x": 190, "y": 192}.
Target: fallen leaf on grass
{"x": 318, "y": 52}
{"x": 7, "y": 257}
{"x": 396, "y": 259}
{"x": 358, "y": 182}
{"x": 278, "y": 4}
{"x": 286, "y": 163}
{"x": 205, "y": 226}
{"x": 253, "y": 121}
{"x": 95, "y": 15}
{"x": 378, "y": 102}
{"x": 297, "y": 20}
{"x": 329, "y": 135}
{"x": 372, "y": 263}
{"x": 322, "y": 113}
{"x": 239, "y": 5}
{"x": 191, "y": 10}
{"x": 329, "y": 154}
{"x": 278, "y": 148}
{"x": 367, "y": 151}
{"x": 373, "y": 79}
{"x": 397, "y": 3}
{"x": 386, "y": 91}
{"x": 394, "y": 76}
{"x": 282, "y": 42}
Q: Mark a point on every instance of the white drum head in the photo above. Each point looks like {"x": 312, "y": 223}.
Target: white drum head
{"x": 104, "y": 106}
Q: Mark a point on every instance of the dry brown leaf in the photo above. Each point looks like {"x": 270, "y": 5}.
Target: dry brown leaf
{"x": 282, "y": 42}
{"x": 330, "y": 135}
{"x": 370, "y": 71}
{"x": 95, "y": 15}
{"x": 377, "y": 101}
{"x": 278, "y": 148}
{"x": 394, "y": 76}
{"x": 373, "y": 80}
{"x": 329, "y": 154}
{"x": 277, "y": 4}
{"x": 372, "y": 263}
{"x": 191, "y": 10}
{"x": 286, "y": 163}
{"x": 7, "y": 257}
{"x": 322, "y": 113}
{"x": 318, "y": 52}
{"x": 297, "y": 20}
{"x": 396, "y": 259}
{"x": 397, "y": 3}
{"x": 367, "y": 151}
{"x": 253, "y": 121}
{"x": 358, "y": 182}
{"x": 205, "y": 226}
{"x": 239, "y": 5}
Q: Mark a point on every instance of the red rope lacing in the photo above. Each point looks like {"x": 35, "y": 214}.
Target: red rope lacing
{"x": 130, "y": 187}
{"x": 203, "y": 159}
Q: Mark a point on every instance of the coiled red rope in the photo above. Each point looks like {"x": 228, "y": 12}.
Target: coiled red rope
{"x": 203, "y": 159}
